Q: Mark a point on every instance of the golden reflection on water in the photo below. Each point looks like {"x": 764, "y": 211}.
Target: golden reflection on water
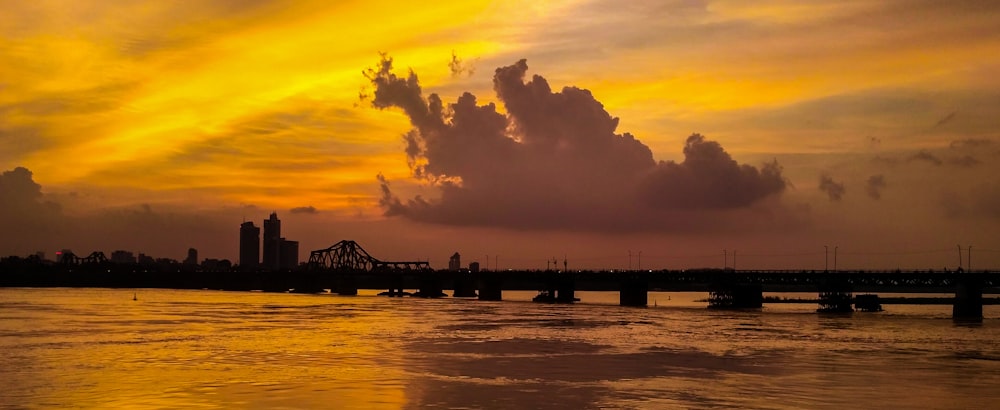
{"x": 97, "y": 348}
{"x": 172, "y": 350}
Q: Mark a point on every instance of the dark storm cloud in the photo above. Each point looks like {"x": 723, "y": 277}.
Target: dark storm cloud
{"x": 553, "y": 161}
{"x": 20, "y": 195}
{"x": 835, "y": 190}
{"x": 709, "y": 177}
{"x": 304, "y": 210}
{"x": 32, "y": 222}
{"x": 24, "y": 213}
{"x": 874, "y": 186}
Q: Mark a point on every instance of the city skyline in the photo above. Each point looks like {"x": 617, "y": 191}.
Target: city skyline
{"x": 690, "y": 131}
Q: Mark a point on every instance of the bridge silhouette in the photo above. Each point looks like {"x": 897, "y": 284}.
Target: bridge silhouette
{"x": 350, "y": 256}
{"x": 346, "y": 267}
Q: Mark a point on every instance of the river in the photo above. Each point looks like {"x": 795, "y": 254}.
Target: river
{"x": 99, "y": 348}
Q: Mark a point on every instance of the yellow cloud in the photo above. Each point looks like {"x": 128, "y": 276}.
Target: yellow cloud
{"x": 208, "y": 96}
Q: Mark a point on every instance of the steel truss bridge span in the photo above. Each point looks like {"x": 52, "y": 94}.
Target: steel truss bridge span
{"x": 350, "y": 256}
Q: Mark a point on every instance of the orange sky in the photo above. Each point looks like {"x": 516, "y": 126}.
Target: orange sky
{"x": 196, "y": 115}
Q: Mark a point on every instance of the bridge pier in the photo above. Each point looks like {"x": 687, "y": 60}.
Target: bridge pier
{"x": 968, "y": 303}
{"x": 306, "y": 282}
{"x": 430, "y": 287}
{"x": 272, "y": 282}
{"x": 465, "y": 287}
{"x": 346, "y": 285}
{"x": 490, "y": 286}
{"x": 634, "y": 291}
{"x": 566, "y": 292}
{"x": 395, "y": 287}
{"x": 558, "y": 289}
{"x": 736, "y": 296}
{"x": 835, "y": 296}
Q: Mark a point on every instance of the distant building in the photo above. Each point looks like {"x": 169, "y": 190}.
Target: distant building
{"x": 289, "y": 254}
{"x": 123, "y": 257}
{"x": 249, "y": 246}
{"x": 272, "y": 242}
{"x": 474, "y": 267}
{"x": 279, "y": 253}
{"x": 65, "y": 255}
{"x": 216, "y": 265}
{"x": 146, "y": 259}
{"x": 455, "y": 263}
{"x": 192, "y": 258}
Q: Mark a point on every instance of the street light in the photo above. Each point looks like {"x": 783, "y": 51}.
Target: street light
{"x": 826, "y": 258}
{"x": 835, "y": 258}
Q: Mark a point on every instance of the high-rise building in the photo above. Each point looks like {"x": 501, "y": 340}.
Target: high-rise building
{"x": 272, "y": 242}
{"x": 455, "y": 263}
{"x": 249, "y": 246}
{"x": 289, "y": 254}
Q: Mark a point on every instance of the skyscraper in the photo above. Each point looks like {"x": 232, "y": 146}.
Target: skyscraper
{"x": 272, "y": 242}
{"x": 289, "y": 254}
{"x": 249, "y": 246}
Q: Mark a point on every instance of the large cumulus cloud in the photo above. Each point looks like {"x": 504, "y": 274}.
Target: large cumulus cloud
{"x": 553, "y": 159}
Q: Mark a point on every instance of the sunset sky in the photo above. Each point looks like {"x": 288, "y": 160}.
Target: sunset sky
{"x": 155, "y": 126}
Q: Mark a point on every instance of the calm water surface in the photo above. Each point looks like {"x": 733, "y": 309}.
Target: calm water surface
{"x": 97, "y": 348}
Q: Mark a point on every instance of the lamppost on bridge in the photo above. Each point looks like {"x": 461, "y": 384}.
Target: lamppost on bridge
{"x": 725, "y": 259}
{"x": 639, "y": 264}
{"x": 826, "y": 258}
{"x": 835, "y": 258}
{"x": 734, "y": 259}
{"x": 630, "y": 259}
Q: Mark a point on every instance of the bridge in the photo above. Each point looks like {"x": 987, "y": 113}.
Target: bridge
{"x": 346, "y": 267}
{"x": 70, "y": 259}
{"x": 349, "y": 256}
